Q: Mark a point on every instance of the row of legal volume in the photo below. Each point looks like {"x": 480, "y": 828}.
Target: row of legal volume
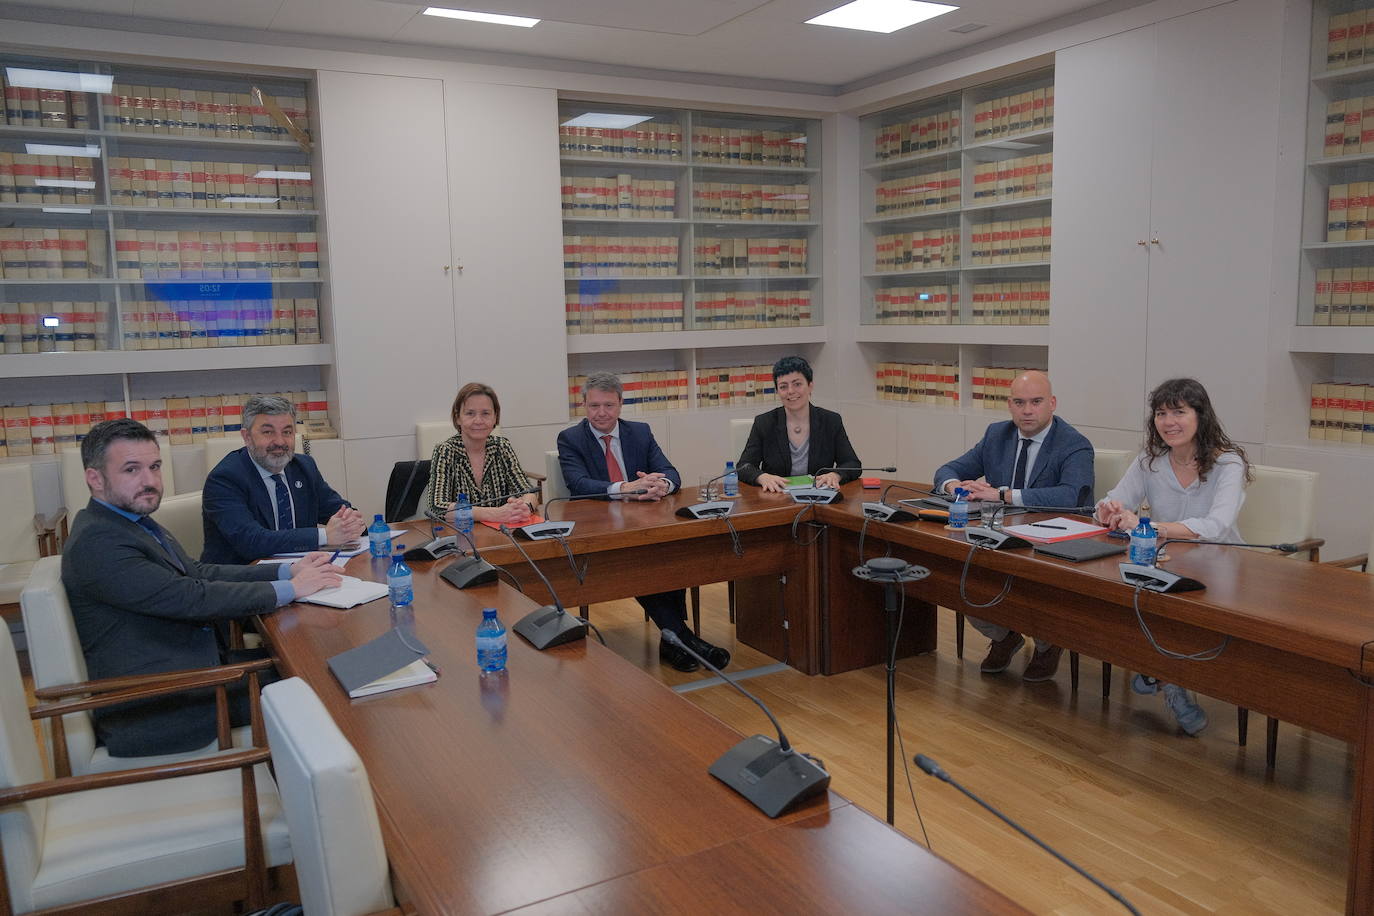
{"x": 657, "y": 256}
{"x": 1347, "y": 211}
{"x": 620, "y": 313}
{"x": 993, "y": 182}
{"x": 1349, "y": 127}
{"x": 1008, "y": 115}
{"x": 148, "y": 254}
{"x": 47, "y": 429}
{"x": 621, "y": 197}
{"x": 1344, "y": 296}
{"x": 662, "y": 141}
{"x": 1348, "y": 38}
{"x": 1014, "y": 303}
{"x": 170, "y": 110}
{"x": 990, "y": 244}
{"x": 46, "y": 180}
{"x": 648, "y": 392}
{"x": 68, "y": 327}
{"x": 1342, "y": 412}
{"x": 936, "y": 384}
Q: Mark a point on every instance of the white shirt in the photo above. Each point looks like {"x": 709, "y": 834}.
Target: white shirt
{"x": 272, "y": 498}
{"x": 614, "y": 488}
{"x": 1032, "y": 452}
{"x": 1208, "y": 508}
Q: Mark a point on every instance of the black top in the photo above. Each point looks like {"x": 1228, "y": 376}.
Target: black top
{"x": 768, "y": 451}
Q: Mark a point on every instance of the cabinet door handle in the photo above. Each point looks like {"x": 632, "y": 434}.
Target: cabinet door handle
{"x": 1141, "y": 243}
{"x": 1154, "y": 240}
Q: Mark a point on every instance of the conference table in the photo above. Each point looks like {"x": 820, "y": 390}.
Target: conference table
{"x": 1296, "y": 637}
{"x": 574, "y": 782}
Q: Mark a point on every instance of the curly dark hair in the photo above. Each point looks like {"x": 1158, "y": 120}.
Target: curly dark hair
{"x": 1210, "y": 440}
{"x": 789, "y": 364}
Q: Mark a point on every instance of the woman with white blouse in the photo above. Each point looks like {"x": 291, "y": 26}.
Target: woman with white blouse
{"x": 1192, "y": 477}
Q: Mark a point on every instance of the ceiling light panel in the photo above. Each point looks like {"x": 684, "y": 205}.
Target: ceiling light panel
{"x": 884, "y": 16}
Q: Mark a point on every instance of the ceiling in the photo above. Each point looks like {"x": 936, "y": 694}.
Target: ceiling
{"x": 725, "y": 40}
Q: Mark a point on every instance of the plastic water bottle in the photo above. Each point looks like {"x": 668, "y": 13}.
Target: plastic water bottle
{"x": 1144, "y": 543}
{"x": 731, "y": 481}
{"x": 399, "y": 582}
{"x": 491, "y": 642}
{"x": 462, "y": 515}
{"x": 958, "y": 510}
{"x": 379, "y": 538}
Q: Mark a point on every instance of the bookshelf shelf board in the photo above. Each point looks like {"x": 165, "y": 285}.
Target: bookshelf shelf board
{"x": 1008, "y": 335}
{"x": 1331, "y": 161}
{"x": 1335, "y": 246}
{"x": 932, "y": 215}
{"x": 754, "y": 169}
{"x": 723, "y": 278}
{"x": 1329, "y": 339}
{"x": 882, "y": 165}
{"x": 143, "y": 281}
{"x": 683, "y": 340}
{"x": 175, "y": 211}
{"x": 1017, "y": 142}
{"x": 923, "y": 272}
{"x": 605, "y": 220}
{"x": 781, "y": 223}
{"x": 619, "y": 278}
{"x": 675, "y": 164}
{"x": 1009, "y": 265}
{"x": 1009, "y": 204}
{"x": 52, "y": 133}
{"x": 97, "y": 362}
{"x": 1359, "y": 74}
{"x": 19, "y": 281}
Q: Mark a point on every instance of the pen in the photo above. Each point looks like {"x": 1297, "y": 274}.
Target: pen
{"x": 1043, "y": 525}
{"x": 335, "y": 557}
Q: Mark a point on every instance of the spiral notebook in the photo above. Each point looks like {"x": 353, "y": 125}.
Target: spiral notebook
{"x": 1080, "y": 550}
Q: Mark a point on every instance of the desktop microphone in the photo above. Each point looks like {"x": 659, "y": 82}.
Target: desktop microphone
{"x": 711, "y": 508}
{"x": 931, "y": 768}
{"x": 549, "y": 625}
{"x": 437, "y": 547}
{"x": 825, "y": 495}
{"x": 1154, "y": 579}
{"x": 882, "y": 512}
{"x": 770, "y": 774}
{"x": 989, "y": 538}
{"x": 542, "y": 531}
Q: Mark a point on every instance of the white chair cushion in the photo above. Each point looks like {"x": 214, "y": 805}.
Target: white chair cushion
{"x": 1280, "y": 505}
{"x": 554, "y": 484}
{"x": 219, "y": 446}
{"x": 17, "y": 538}
{"x": 181, "y": 515}
{"x": 13, "y": 578}
{"x": 430, "y": 434}
{"x": 1109, "y": 466}
{"x": 739, "y": 436}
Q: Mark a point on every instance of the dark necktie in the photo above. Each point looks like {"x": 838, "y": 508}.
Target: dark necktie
{"x": 153, "y": 528}
{"x": 284, "y": 522}
{"x": 1018, "y": 477}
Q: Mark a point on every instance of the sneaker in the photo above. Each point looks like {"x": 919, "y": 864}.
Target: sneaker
{"x": 1190, "y": 716}
{"x": 1144, "y": 685}
{"x": 1001, "y": 653}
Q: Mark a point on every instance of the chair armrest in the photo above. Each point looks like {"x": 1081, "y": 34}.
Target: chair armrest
{"x": 1310, "y": 546}
{"x": 186, "y": 679}
{"x": 213, "y": 678}
{"x": 68, "y": 784}
{"x": 538, "y": 476}
{"x": 1360, "y": 559}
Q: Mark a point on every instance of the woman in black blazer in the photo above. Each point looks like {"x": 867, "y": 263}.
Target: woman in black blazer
{"x": 796, "y": 438}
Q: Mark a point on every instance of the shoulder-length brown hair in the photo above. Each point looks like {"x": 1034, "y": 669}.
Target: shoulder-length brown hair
{"x": 1210, "y": 440}
{"x": 472, "y": 389}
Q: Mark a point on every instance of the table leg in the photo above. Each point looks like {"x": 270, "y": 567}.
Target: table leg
{"x": 1359, "y": 895}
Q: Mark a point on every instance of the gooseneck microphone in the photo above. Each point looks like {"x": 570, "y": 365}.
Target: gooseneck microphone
{"x": 882, "y": 512}
{"x": 709, "y": 508}
{"x": 770, "y": 774}
{"x": 931, "y": 768}
{"x": 1153, "y": 578}
{"x": 549, "y": 625}
{"x": 814, "y": 494}
{"x": 546, "y": 529}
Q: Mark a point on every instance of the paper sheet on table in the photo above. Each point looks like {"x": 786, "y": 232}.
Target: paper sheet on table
{"x": 1055, "y": 529}
{"x": 339, "y": 561}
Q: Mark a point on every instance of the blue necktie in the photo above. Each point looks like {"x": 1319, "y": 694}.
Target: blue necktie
{"x": 153, "y": 528}
{"x": 1018, "y": 477}
{"x": 284, "y": 522}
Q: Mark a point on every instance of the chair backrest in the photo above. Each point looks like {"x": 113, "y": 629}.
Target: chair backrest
{"x": 18, "y": 541}
{"x": 22, "y": 826}
{"x": 430, "y": 434}
{"x": 1280, "y": 505}
{"x": 1109, "y": 466}
{"x": 739, "y": 436}
{"x": 219, "y": 446}
{"x": 408, "y": 482}
{"x": 181, "y": 515}
{"x": 55, "y": 651}
{"x": 336, "y": 841}
{"x": 75, "y": 493}
{"x": 555, "y": 486}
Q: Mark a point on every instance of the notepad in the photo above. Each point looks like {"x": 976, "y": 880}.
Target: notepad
{"x": 1055, "y": 529}
{"x": 388, "y": 662}
{"x": 349, "y": 593}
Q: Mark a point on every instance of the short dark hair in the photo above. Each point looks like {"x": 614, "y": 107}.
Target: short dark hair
{"x": 97, "y": 441}
{"x": 789, "y": 364}
{"x": 472, "y": 389}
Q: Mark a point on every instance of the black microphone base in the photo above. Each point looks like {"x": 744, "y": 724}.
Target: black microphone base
{"x": 769, "y": 777}
{"x": 433, "y": 550}
{"x": 548, "y": 627}
{"x": 715, "y": 508}
{"x": 1154, "y": 579}
{"x": 542, "y": 531}
{"x": 820, "y": 495}
{"x": 465, "y": 572}
{"x": 882, "y": 512}
{"x": 991, "y": 539}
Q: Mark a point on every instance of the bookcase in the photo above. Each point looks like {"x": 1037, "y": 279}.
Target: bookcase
{"x": 956, "y": 193}
{"x": 158, "y": 233}
{"x": 686, "y": 231}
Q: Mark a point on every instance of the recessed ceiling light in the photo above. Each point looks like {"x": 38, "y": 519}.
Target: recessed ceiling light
{"x": 884, "y": 16}
{"x": 58, "y": 79}
{"x": 607, "y": 120}
{"x": 969, "y": 27}
{"x": 495, "y": 18}
{"x": 49, "y": 149}
{"x": 285, "y": 176}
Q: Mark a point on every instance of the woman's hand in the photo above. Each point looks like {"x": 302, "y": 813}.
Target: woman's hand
{"x": 772, "y": 483}
{"x": 515, "y": 512}
{"x": 830, "y": 481}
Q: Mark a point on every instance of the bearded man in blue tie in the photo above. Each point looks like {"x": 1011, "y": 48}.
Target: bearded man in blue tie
{"x": 1033, "y": 459}
{"x": 264, "y": 499}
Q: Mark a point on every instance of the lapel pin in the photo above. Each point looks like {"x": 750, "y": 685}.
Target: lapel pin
{"x": 298, "y": 485}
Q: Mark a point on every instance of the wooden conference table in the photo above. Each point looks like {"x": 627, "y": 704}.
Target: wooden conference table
{"x": 578, "y": 783}
{"x": 1300, "y": 636}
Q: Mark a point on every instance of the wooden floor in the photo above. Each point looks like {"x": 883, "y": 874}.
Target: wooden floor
{"x": 1177, "y": 824}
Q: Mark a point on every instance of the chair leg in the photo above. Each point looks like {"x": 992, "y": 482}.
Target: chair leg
{"x": 1106, "y": 680}
{"x": 1073, "y": 671}
{"x": 586, "y": 611}
{"x": 730, "y": 596}
{"x": 1242, "y": 725}
{"x": 958, "y": 634}
{"x": 1271, "y": 744}
{"x": 696, "y": 610}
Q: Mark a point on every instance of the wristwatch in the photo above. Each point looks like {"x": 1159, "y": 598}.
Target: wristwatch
{"x": 1004, "y": 494}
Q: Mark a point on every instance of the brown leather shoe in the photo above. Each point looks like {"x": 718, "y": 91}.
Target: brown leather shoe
{"x": 1043, "y": 665}
{"x": 1001, "y": 653}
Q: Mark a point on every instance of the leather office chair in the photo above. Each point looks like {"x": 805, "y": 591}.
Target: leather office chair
{"x": 64, "y": 842}
{"x": 57, "y": 661}
{"x": 1109, "y": 466}
{"x": 405, "y": 488}
{"x": 336, "y": 840}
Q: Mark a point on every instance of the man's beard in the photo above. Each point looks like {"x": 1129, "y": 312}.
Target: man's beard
{"x": 273, "y": 463}
{"x": 131, "y": 506}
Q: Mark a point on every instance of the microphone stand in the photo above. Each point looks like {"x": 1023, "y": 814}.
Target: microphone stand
{"x": 882, "y": 512}
{"x": 708, "y": 507}
{"x": 549, "y": 625}
{"x": 825, "y": 495}
{"x": 543, "y": 531}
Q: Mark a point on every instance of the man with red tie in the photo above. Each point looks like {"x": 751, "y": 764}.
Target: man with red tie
{"x": 620, "y": 458}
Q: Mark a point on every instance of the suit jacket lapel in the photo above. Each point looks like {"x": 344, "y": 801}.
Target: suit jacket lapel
{"x": 1042, "y": 459}
{"x": 598, "y": 450}
{"x": 261, "y": 501}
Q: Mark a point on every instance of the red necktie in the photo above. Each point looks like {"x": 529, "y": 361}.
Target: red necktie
{"x": 612, "y": 466}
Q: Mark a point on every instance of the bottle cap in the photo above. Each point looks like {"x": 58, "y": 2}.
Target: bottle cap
{"x": 400, "y": 549}
{"x": 488, "y": 612}
{"x": 378, "y": 517}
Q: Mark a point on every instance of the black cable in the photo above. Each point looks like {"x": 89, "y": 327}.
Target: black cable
{"x": 963, "y": 583}
{"x": 580, "y": 576}
{"x": 896, "y": 724}
{"x": 1206, "y": 655}
{"x": 735, "y": 543}
{"x": 584, "y": 620}
{"x": 796, "y": 520}
{"x": 513, "y": 581}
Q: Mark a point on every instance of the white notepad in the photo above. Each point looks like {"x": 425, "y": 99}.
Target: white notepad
{"x": 350, "y": 593}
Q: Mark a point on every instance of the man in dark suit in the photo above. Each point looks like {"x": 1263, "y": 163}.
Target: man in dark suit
{"x": 141, "y": 605}
{"x": 620, "y": 458}
{"x": 1034, "y": 459}
{"x": 264, "y": 499}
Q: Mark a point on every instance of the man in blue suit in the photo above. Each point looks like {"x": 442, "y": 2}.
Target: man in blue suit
{"x": 1034, "y": 459}
{"x": 620, "y": 458}
{"x": 264, "y": 499}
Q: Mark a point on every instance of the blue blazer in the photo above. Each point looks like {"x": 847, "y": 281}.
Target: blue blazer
{"x": 1063, "y": 471}
{"x": 583, "y": 457}
{"x": 240, "y": 516}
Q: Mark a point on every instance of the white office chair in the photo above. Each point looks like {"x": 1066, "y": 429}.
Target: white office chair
{"x": 336, "y": 840}
{"x": 739, "y": 437}
{"x": 76, "y": 494}
{"x": 186, "y": 834}
{"x": 181, "y": 515}
{"x": 23, "y": 535}
{"x": 555, "y": 487}
{"x": 219, "y": 446}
